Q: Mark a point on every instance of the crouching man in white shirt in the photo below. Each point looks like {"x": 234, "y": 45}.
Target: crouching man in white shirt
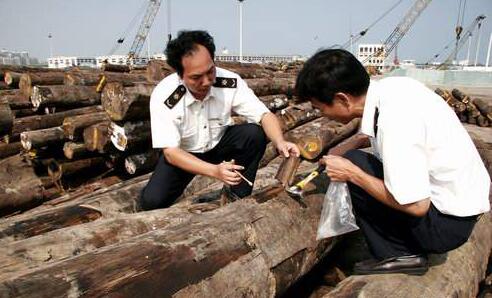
{"x": 425, "y": 186}
{"x": 190, "y": 113}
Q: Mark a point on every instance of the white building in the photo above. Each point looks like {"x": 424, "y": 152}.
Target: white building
{"x": 258, "y": 58}
{"x": 121, "y": 60}
{"x": 372, "y": 55}
{"x": 64, "y": 62}
{"x": 16, "y": 58}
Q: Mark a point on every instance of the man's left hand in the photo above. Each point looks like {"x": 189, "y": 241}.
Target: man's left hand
{"x": 287, "y": 148}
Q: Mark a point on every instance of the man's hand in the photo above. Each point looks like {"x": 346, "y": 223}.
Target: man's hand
{"x": 225, "y": 172}
{"x": 287, "y": 148}
{"x": 338, "y": 168}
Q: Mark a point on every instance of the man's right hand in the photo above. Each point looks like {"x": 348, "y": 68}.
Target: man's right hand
{"x": 226, "y": 172}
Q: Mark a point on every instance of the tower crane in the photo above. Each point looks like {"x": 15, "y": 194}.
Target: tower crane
{"x": 402, "y": 28}
{"x": 468, "y": 33}
{"x": 143, "y": 30}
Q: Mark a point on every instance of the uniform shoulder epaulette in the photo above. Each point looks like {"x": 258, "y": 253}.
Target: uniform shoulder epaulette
{"x": 225, "y": 82}
{"x": 175, "y": 97}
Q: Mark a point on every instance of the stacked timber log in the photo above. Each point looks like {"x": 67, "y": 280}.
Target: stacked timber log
{"x": 469, "y": 110}
{"x": 272, "y": 236}
{"x": 78, "y": 125}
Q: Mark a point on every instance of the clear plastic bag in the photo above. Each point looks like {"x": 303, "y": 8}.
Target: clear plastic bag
{"x": 336, "y": 217}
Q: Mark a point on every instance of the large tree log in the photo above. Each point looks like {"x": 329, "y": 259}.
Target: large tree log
{"x": 10, "y": 149}
{"x": 271, "y": 86}
{"x": 131, "y": 136}
{"x": 457, "y": 105}
{"x": 64, "y": 96}
{"x": 73, "y": 150}
{"x": 314, "y": 137}
{"x": 6, "y": 118}
{"x": 17, "y": 100}
{"x": 19, "y": 184}
{"x": 127, "y": 103}
{"x": 74, "y": 126}
{"x": 12, "y": 79}
{"x": 158, "y": 70}
{"x": 115, "y": 67}
{"x": 123, "y": 197}
{"x": 50, "y": 120}
{"x": 296, "y": 115}
{"x": 42, "y": 137}
{"x": 198, "y": 256}
{"x": 97, "y": 137}
{"x": 29, "y": 80}
{"x": 93, "y": 78}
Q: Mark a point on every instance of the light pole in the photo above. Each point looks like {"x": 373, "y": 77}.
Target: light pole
{"x": 478, "y": 44}
{"x": 51, "y": 44}
{"x": 488, "y": 52}
{"x": 241, "y": 30}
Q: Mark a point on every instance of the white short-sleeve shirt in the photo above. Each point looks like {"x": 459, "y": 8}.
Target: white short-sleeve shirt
{"x": 425, "y": 150}
{"x": 179, "y": 120}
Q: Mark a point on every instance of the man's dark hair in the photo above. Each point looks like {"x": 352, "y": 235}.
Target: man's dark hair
{"x": 329, "y": 72}
{"x": 185, "y": 44}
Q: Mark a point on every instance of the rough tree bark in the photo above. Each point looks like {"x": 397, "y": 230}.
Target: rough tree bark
{"x": 50, "y": 120}
{"x": 253, "y": 247}
{"x": 64, "y": 96}
{"x": 20, "y": 185}
{"x": 42, "y": 137}
{"x": 28, "y": 80}
{"x": 127, "y": 103}
{"x": 74, "y": 126}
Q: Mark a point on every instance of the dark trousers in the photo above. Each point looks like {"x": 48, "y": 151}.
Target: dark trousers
{"x": 244, "y": 143}
{"x": 391, "y": 233}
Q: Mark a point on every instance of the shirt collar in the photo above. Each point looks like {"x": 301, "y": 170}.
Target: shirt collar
{"x": 370, "y": 105}
{"x": 189, "y": 99}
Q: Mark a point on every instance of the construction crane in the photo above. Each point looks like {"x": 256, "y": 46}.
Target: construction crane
{"x": 143, "y": 30}
{"x": 468, "y": 33}
{"x": 401, "y": 29}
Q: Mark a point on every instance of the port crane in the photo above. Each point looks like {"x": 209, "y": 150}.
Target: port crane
{"x": 468, "y": 33}
{"x": 401, "y": 29}
{"x": 143, "y": 31}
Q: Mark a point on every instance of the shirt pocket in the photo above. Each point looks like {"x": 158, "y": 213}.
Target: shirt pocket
{"x": 189, "y": 138}
{"x": 217, "y": 128}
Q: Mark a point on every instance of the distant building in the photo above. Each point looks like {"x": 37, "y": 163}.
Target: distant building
{"x": 16, "y": 58}
{"x": 258, "y": 58}
{"x": 64, "y": 62}
{"x": 372, "y": 55}
{"x": 408, "y": 63}
{"x": 121, "y": 60}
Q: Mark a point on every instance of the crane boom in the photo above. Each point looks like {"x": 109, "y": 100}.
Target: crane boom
{"x": 468, "y": 33}
{"x": 402, "y": 28}
{"x": 144, "y": 28}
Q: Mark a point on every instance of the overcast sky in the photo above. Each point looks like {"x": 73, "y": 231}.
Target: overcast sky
{"x": 91, "y": 27}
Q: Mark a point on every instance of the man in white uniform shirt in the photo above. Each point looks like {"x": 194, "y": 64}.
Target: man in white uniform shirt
{"x": 425, "y": 186}
{"x": 190, "y": 113}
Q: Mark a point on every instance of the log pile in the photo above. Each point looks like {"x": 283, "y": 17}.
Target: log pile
{"x": 57, "y": 136}
{"x": 78, "y": 125}
{"x": 469, "y": 110}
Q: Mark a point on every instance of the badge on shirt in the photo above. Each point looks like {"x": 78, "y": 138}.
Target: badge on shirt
{"x": 225, "y": 82}
{"x": 175, "y": 97}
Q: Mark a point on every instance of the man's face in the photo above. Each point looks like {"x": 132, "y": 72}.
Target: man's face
{"x": 337, "y": 110}
{"x": 198, "y": 72}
